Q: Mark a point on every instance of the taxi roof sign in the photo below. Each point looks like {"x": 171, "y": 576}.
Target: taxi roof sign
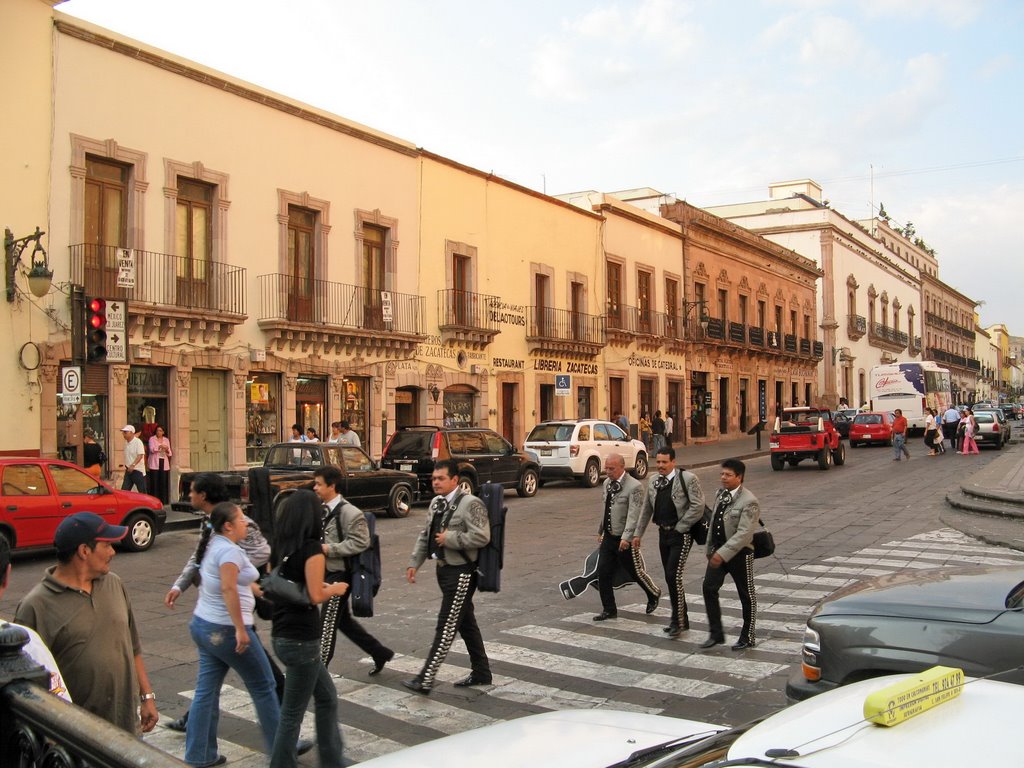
{"x": 901, "y": 701}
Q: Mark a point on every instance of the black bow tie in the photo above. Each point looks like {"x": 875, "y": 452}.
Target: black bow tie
{"x": 660, "y": 482}
{"x": 614, "y": 486}
{"x": 440, "y": 504}
{"x": 724, "y": 497}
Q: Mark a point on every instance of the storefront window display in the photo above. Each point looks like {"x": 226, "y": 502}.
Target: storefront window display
{"x": 311, "y": 403}
{"x": 263, "y": 425}
{"x": 458, "y": 406}
{"x": 355, "y": 405}
{"x": 147, "y": 400}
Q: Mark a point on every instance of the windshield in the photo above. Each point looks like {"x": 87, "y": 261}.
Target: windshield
{"x": 868, "y": 418}
{"x": 551, "y": 433}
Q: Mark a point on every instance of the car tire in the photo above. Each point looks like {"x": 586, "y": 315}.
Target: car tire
{"x": 528, "y": 483}
{"x": 591, "y": 474}
{"x": 401, "y": 495}
{"x": 467, "y": 484}
{"x": 999, "y": 445}
{"x": 777, "y": 463}
{"x": 824, "y": 459}
{"x": 141, "y": 532}
{"x": 8, "y": 539}
{"x": 839, "y": 455}
{"x": 641, "y": 466}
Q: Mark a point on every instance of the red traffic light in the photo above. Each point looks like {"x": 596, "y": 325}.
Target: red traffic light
{"x": 96, "y": 336}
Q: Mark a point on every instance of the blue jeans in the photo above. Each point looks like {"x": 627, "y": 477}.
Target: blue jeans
{"x": 899, "y": 445}
{"x": 305, "y": 675}
{"x": 216, "y": 644}
{"x": 134, "y": 478}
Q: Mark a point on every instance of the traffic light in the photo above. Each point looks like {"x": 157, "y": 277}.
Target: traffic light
{"x": 96, "y": 331}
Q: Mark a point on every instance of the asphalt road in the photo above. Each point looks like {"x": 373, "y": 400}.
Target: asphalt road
{"x": 869, "y": 517}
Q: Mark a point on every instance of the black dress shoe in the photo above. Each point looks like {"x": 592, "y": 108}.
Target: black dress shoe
{"x": 220, "y": 760}
{"x": 416, "y": 686}
{"x": 743, "y": 644}
{"x": 180, "y": 725}
{"x": 605, "y": 615}
{"x": 380, "y": 661}
{"x": 468, "y": 682}
{"x": 652, "y": 604}
{"x": 303, "y": 746}
{"x": 712, "y": 641}
{"x": 673, "y": 630}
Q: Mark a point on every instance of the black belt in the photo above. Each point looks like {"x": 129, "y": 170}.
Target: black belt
{"x": 667, "y": 527}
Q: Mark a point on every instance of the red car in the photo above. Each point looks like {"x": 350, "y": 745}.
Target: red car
{"x": 871, "y": 427}
{"x": 36, "y": 494}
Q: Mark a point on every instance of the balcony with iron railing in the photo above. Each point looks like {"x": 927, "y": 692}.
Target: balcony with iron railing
{"x": 789, "y": 344}
{"x": 935, "y": 321}
{"x": 471, "y": 319}
{"x": 194, "y": 298}
{"x": 884, "y": 337}
{"x": 565, "y": 332}
{"x": 644, "y": 326}
{"x": 327, "y": 316}
{"x": 805, "y": 347}
{"x": 915, "y": 346}
{"x": 856, "y": 326}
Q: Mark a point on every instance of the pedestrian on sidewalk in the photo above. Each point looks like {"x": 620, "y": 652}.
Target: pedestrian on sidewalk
{"x": 730, "y": 550}
{"x": 623, "y": 503}
{"x": 134, "y": 461}
{"x": 899, "y": 436}
{"x": 931, "y": 433}
{"x": 970, "y": 428}
{"x": 346, "y": 534}
{"x": 675, "y": 501}
{"x": 950, "y": 425}
{"x": 158, "y": 465}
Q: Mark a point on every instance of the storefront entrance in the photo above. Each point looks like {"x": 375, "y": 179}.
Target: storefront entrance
{"x": 407, "y": 406}
{"x": 699, "y": 404}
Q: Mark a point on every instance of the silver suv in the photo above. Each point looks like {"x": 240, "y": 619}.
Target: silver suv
{"x": 577, "y": 449}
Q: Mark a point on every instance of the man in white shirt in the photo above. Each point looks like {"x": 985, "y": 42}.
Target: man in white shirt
{"x": 134, "y": 461}
{"x": 348, "y": 437}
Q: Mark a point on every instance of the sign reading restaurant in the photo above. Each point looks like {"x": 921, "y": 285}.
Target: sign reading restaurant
{"x": 546, "y": 364}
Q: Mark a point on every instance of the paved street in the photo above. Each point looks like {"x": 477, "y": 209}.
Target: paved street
{"x": 869, "y": 517}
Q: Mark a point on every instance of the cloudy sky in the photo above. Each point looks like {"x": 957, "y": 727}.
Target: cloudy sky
{"x": 916, "y": 104}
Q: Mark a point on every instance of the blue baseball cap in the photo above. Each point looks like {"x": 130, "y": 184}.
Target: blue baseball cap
{"x": 83, "y": 527}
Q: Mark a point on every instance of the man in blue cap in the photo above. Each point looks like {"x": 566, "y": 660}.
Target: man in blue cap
{"x": 82, "y": 612}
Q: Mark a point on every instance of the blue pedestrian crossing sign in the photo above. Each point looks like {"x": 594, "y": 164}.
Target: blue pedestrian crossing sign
{"x": 562, "y": 382}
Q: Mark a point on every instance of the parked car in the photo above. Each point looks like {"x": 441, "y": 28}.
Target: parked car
{"x": 969, "y": 618}
{"x": 829, "y": 732}
{"x": 484, "y": 456}
{"x": 871, "y": 428}
{"x": 805, "y": 433}
{"x": 993, "y": 429}
{"x": 577, "y": 449}
{"x": 37, "y": 494}
{"x": 290, "y": 466}
{"x": 843, "y": 419}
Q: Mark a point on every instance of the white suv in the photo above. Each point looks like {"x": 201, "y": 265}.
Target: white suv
{"x": 577, "y": 449}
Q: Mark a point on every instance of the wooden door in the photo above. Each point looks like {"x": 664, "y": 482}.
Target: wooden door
{"x": 208, "y": 421}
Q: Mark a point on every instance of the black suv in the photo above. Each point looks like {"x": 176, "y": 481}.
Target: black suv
{"x": 484, "y": 456}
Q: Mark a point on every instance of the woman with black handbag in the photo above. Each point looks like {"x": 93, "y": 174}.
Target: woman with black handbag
{"x": 296, "y": 634}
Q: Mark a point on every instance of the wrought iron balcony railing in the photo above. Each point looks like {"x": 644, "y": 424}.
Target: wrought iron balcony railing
{"x": 789, "y": 343}
{"x": 337, "y": 305}
{"x": 856, "y": 326}
{"x": 564, "y": 325}
{"x": 465, "y": 310}
{"x": 159, "y": 279}
{"x": 890, "y": 335}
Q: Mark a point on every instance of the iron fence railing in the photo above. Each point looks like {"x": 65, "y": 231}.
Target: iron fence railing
{"x": 467, "y": 310}
{"x": 159, "y": 279}
{"x": 553, "y": 324}
{"x": 338, "y": 305}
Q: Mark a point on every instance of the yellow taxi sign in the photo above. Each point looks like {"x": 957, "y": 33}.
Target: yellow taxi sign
{"x": 901, "y": 701}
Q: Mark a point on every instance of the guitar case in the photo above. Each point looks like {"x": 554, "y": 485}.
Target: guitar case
{"x": 577, "y": 585}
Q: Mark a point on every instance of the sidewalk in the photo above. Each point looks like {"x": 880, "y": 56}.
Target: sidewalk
{"x": 712, "y": 454}
{"x": 989, "y": 504}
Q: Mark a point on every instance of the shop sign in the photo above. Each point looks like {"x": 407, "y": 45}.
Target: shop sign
{"x": 560, "y": 366}
{"x": 640, "y": 361}
{"x": 507, "y": 314}
{"x": 507, "y": 362}
{"x": 387, "y": 311}
{"x": 147, "y": 381}
{"x": 125, "y": 268}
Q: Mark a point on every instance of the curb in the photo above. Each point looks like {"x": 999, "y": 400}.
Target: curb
{"x": 717, "y": 462}
{"x": 985, "y": 504}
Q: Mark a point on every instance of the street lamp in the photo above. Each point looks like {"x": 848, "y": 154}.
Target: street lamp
{"x": 40, "y": 276}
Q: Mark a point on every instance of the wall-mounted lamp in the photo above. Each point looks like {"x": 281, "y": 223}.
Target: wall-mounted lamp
{"x": 40, "y": 276}
{"x": 844, "y": 351}
{"x": 434, "y": 392}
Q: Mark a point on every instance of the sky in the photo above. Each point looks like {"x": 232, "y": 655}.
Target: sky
{"x": 914, "y": 104}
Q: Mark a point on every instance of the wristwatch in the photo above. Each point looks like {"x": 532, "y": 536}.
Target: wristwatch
{"x": 147, "y": 696}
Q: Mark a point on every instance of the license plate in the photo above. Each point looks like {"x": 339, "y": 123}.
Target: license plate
{"x": 405, "y": 467}
{"x": 773, "y": 445}
{"x": 545, "y": 451}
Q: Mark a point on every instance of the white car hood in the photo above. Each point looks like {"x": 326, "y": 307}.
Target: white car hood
{"x": 587, "y": 738}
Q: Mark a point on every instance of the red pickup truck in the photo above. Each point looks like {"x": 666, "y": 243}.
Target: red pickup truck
{"x": 806, "y": 433}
